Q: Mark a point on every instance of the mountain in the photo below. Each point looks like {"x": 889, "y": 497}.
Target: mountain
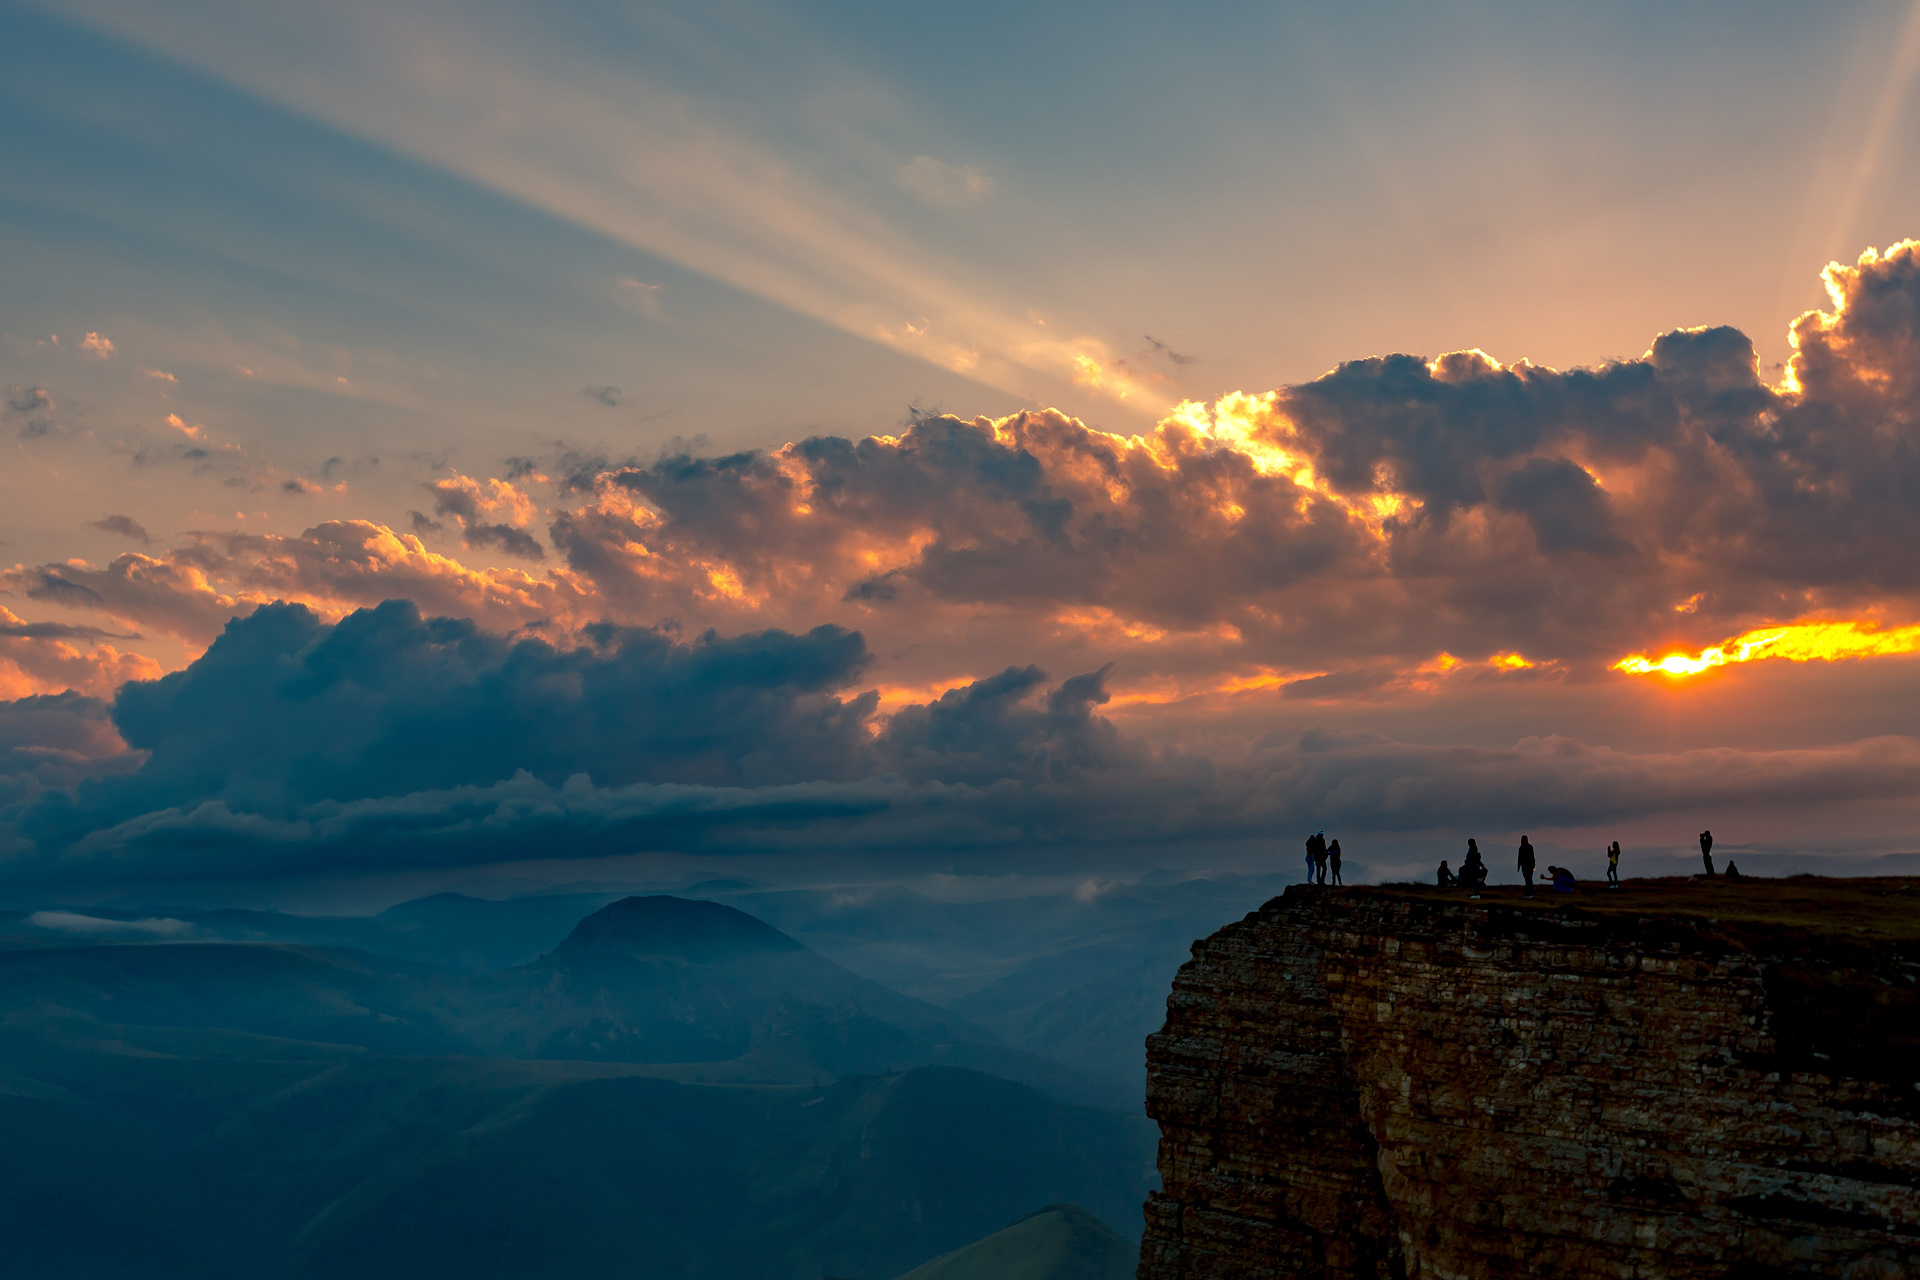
{"x": 662, "y": 979}
{"x": 164, "y": 1165}
{"x": 1061, "y": 1242}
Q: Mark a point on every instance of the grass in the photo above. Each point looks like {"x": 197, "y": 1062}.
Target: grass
{"x": 1862, "y": 908}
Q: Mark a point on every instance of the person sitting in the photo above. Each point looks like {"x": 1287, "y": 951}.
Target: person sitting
{"x": 1562, "y": 879}
{"x": 1446, "y": 877}
{"x": 1733, "y": 872}
{"x": 1473, "y": 872}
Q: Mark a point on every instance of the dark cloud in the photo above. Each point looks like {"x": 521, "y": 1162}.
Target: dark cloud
{"x": 125, "y": 526}
{"x": 59, "y": 631}
{"x": 420, "y": 522}
{"x": 515, "y": 542}
{"x": 1167, "y": 351}
{"x": 395, "y": 740}
{"x": 608, "y": 396}
{"x": 469, "y": 503}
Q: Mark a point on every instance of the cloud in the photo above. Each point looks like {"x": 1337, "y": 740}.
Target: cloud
{"x": 937, "y": 182}
{"x": 100, "y": 926}
{"x": 1168, "y": 352}
{"x": 1337, "y": 538}
{"x": 33, "y": 408}
{"x": 125, "y": 526}
{"x": 608, "y": 396}
{"x": 390, "y": 739}
{"x": 1400, "y": 529}
{"x": 53, "y": 657}
{"x": 471, "y": 503}
{"x": 192, "y": 590}
{"x": 95, "y": 344}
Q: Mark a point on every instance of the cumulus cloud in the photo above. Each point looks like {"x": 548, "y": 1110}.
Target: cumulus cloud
{"x": 1396, "y": 524}
{"x": 1395, "y": 529}
{"x": 54, "y": 657}
{"x": 476, "y": 505}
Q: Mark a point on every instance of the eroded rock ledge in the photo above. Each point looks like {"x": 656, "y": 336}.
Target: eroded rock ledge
{"x": 1676, "y": 1080}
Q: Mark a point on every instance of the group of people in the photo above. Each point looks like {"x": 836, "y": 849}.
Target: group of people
{"x": 1322, "y": 858}
{"x": 1472, "y": 875}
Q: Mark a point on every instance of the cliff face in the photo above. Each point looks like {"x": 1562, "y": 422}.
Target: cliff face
{"x": 1675, "y": 1080}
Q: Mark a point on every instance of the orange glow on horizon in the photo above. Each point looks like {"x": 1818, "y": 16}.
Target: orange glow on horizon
{"x": 1824, "y": 641}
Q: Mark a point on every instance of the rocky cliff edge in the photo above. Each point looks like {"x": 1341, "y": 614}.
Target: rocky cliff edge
{"x": 1677, "y": 1079}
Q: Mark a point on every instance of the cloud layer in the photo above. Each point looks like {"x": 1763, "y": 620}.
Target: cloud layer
{"x": 873, "y": 621}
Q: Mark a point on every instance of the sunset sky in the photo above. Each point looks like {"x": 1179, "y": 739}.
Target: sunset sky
{"x": 1005, "y": 435}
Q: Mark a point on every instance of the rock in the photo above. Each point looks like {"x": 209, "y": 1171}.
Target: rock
{"x": 1672, "y": 1081}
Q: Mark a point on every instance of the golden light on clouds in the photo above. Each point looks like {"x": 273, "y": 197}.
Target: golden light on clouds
{"x": 1797, "y": 642}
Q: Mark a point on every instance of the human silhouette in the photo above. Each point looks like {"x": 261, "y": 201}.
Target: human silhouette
{"x": 1526, "y": 863}
{"x": 1473, "y": 871}
{"x": 1733, "y": 871}
{"x": 1562, "y": 879}
{"x": 1706, "y": 850}
{"x": 1446, "y": 878}
{"x": 1613, "y": 865}
{"x": 1333, "y": 860}
{"x": 1310, "y": 859}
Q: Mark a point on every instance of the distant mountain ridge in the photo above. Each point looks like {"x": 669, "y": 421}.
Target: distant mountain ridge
{"x": 1059, "y": 1242}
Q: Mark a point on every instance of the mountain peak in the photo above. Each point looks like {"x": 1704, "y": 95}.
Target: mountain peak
{"x": 678, "y": 928}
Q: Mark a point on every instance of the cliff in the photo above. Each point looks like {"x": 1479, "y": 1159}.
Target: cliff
{"x": 1678, "y": 1079}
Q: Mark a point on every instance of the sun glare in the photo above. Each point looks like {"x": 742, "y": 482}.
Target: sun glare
{"x": 1798, "y": 642}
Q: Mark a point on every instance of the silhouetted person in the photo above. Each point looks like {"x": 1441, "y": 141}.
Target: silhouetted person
{"x": 1706, "y": 850}
{"x": 1333, "y": 860}
{"x": 1312, "y": 862}
{"x": 1320, "y": 855}
{"x": 1613, "y": 865}
{"x": 1562, "y": 879}
{"x": 1733, "y": 871}
{"x": 1446, "y": 877}
{"x": 1473, "y": 872}
{"x": 1526, "y": 863}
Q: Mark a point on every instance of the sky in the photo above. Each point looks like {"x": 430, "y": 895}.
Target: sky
{"x": 992, "y": 436}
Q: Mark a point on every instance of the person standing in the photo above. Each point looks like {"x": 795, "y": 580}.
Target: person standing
{"x": 1706, "y": 850}
{"x": 1526, "y": 863}
{"x": 1613, "y": 865}
{"x": 1310, "y": 860}
{"x": 1320, "y": 855}
{"x": 1333, "y": 860}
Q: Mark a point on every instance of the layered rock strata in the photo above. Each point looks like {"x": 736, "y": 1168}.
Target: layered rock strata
{"x": 1388, "y": 1082}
